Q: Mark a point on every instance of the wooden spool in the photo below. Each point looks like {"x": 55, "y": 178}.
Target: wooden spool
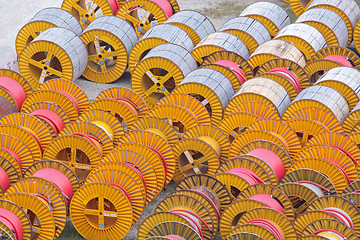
{"x": 251, "y": 31}
{"x": 211, "y": 88}
{"x": 329, "y": 23}
{"x": 194, "y": 23}
{"x": 271, "y": 15}
{"x": 109, "y": 40}
{"x": 45, "y": 19}
{"x": 55, "y": 53}
{"x": 218, "y": 41}
{"x": 163, "y": 33}
{"x": 6, "y": 107}
{"x": 305, "y": 37}
{"x": 161, "y": 70}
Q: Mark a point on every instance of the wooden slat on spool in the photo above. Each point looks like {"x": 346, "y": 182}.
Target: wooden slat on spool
{"x": 160, "y": 71}
{"x": 44, "y": 19}
{"x": 109, "y": 40}
{"x": 55, "y": 53}
{"x": 329, "y": 23}
{"x": 218, "y": 41}
{"x": 211, "y": 88}
{"x": 251, "y": 31}
{"x": 305, "y": 37}
{"x": 271, "y": 15}
{"x": 163, "y": 33}
{"x": 194, "y": 23}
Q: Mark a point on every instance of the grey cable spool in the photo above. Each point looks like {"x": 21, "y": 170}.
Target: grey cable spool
{"x": 304, "y": 36}
{"x": 346, "y": 81}
{"x": 251, "y": 31}
{"x": 218, "y": 41}
{"x": 348, "y": 10}
{"x": 320, "y": 97}
{"x": 271, "y": 15}
{"x": 329, "y": 23}
{"x": 55, "y": 53}
{"x": 109, "y": 40}
{"x": 160, "y": 71}
{"x": 45, "y": 19}
{"x": 262, "y": 89}
{"x": 194, "y": 23}
{"x": 276, "y": 48}
{"x": 162, "y": 33}
{"x": 211, "y": 88}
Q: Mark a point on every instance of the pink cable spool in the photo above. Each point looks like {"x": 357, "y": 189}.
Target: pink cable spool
{"x": 123, "y": 190}
{"x": 4, "y": 180}
{"x": 12, "y": 222}
{"x": 249, "y": 176}
{"x": 72, "y": 99}
{"x": 339, "y": 59}
{"x": 132, "y": 166}
{"x": 59, "y": 179}
{"x": 14, "y": 89}
{"x": 13, "y": 154}
{"x": 94, "y": 140}
{"x": 347, "y": 153}
{"x": 163, "y": 162}
{"x": 50, "y": 117}
{"x": 114, "y": 4}
{"x": 341, "y": 215}
{"x": 268, "y": 225}
{"x": 36, "y": 138}
{"x": 210, "y": 200}
{"x": 341, "y": 169}
{"x": 285, "y": 72}
{"x": 272, "y": 159}
{"x": 315, "y": 184}
{"x": 329, "y": 230}
{"x": 132, "y": 106}
{"x": 165, "y": 6}
{"x": 269, "y": 201}
{"x": 234, "y": 68}
{"x": 173, "y": 237}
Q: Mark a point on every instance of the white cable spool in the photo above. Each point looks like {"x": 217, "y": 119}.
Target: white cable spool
{"x": 317, "y": 190}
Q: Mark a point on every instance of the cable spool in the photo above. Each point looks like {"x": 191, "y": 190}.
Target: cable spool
{"x": 194, "y": 23}
{"x": 160, "y": 34}
{"x": 305, "y": 128}
{"x": 263, "y": 232}
{"x": 173, "y": 230}
{"x": 276, "y": 48}
{"x": 351, "y": 121}
{"x": 351, "y": 193}
{"x": 86, "y": 12}
{"x": 109, "y": 40}
{"x": 43, "y": 20}
{"x": 98, "y": 203}
{"x": 305, "y": 37}
{"x": 213, "y": 96}
{"x": 49, "y": 56}
{"x": 38, "y": 212}
{"x": 255, "y": 107}
{"x": 244, "y": 235}
{"x": 126, "y": 177}
{"x": 161, "y": 70}
{"x": 330, "y": 228}
{"x": 342, "y": 55}
{"x": 356, "y": 35}
{"x": 251, "y": 31}
{"x": 9, "y": 174}
{"x": 329, "y": 23}
{"x": 219, "y": 41}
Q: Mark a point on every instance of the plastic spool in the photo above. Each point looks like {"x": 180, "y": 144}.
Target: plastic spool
{"x": 173, "y": 231}
{"x": 48, "y": 57}
{"x": 161, "y": 70}
{"x": 251, "y": 31}
{"x": 45, "y": 19}
{"x": 276, "y": 48}
{"x": 271, "y": 15}
{"x": 213, "y": 96}
{"x": 87, "y": 11}
{"x": 92, "y": 202}
{"x": 194, "y": 23}
{"x": 109, "y": 40}
{"x": 330, "y": 228}
{"x": 218, "y": 41}
{"x": 163, "y": 33}
{"x": 260, "y": 109}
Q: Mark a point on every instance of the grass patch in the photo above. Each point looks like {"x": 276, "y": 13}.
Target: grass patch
{"x": 226, "y": 8}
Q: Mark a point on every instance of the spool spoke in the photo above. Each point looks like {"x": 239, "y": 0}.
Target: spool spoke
{"x": 36, "y": 63}
{"x": 93, "y": 57}
{"x": 91, "y": 212}
{"x": 165, "y": 78}
{"x": 103, "y": 67}
{"x": 107, "y": 54}
{"x": 201, "y": 160}
{"x": 80, "y": 10}
{"x": 54, "y": 72}
{"x": 101, "y": 213}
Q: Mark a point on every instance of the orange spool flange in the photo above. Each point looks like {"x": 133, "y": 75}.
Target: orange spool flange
{"x": 329, "y": 228}
{"x": 258, "y": 108}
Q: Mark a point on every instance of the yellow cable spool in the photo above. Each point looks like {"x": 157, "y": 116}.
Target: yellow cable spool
{"x": 305, "y": 128}
{"x": 219, "y": 41}
{"x": 244, "y": 235}
{"x": 330, "y": 229}
{"x": 351, "y": 121}
{"x": 157, "y": 126}
{"x": 85, "y": 12}
{"x": 101, "y": 211}
{"x": 283, "y": 81}
{"x": 50, "y": 56}
{"x": 32, "y": 124}
{"x": 38, "y": 211}
{"x": 352, "y": 187}
{"x": 341, "y": 51}
{"x": 275, "y": 49}
{"x": 253, "y": 228}
{"x": 315, "y": 68}
{"x": 79, "y": 153}
{"x": 161, "y": 70}
{"x": 258, "y": 108}
{"x": 119, "y": 174}
{"x": 52, "y": 195}
{"x": 11, "y": 172}
{"x": 93, "y": 130}
{"x": 173, "y": 229}
{"x": 190, "y": 103}
{"x": 356, "y": 36}
{"x": 109, "y": 41}
{"x": 106, "y": 121}
{"x": 45, "y": 19}
{"x": 251, "y": 31}
{"x": 126, "y": 94}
